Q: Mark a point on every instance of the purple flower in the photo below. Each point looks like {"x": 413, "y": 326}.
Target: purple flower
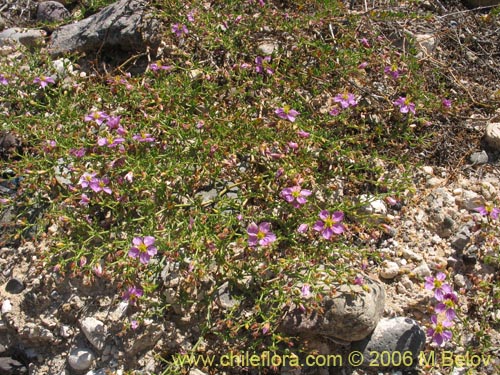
{"x": 260, "y": 234}
{"x": 134, "y": 324}
{"x": 393, "y": 71}
{"x": 447, "y": 305}
{"x": 493, "y": 212}
{"x": 100, "y": 184}
{"x": 3, "y": 80}
{"x": 179, "y": 30}
{"x": 359, "y": 280}
{"x": 346, "y": 100}
{"x": 78, "y": 152}
{"x": 86, "y": 179}
{"x": 113, "y": 122}
{"x": 155, "y": 67}
{"x": 43, "y": 81}
{"x": 404, "y": 105}
{"x": 190, "y": 16}
{"x": 286, "y": 113}
{"x": 362, "y": 65}
{"x": 305, "y": 291}
{"x": 110, "y": 141}
{"x": 295, "y": 195}
{"x": 334, "y": 112}
{"x": 437, "y": 285}
{"x": 132, "y": 294}
{"x": 303, "y": 228}
{"x": 85, "y": 200}
{"x": 446, "y": 103}
{"x": 303, "y": 134}
{"x": 97, "y": 116}
{"x": 329, "y": 224}
{"x": 365, "y": 42}
{"x": 262, "y": 65}
{"x": 143, "y": 247}
{"x": 143, "y": 137}
{"x": 438, "y": 332}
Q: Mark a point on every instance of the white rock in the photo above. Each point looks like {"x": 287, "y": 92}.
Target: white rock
{"x": 267, "y": 48}
{"x": 80, "y": 359}
{"x": 428, "y": 170}
{"x": 470, "y": 200}
{"x": 422, "y": 271}
{"x": 426, "y": 42}
{"x": 95, "y": 331}
{"x": 389, "y": 270}
{"x": 377, "y": 207}
{"x": 6, "y": 306}
{"x": 434, "y": 181}
{"x": 492, "y": 135}
{"x": 63, "y": 67}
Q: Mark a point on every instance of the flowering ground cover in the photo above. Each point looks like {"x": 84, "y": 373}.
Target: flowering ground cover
{"x": 117, "y": 162}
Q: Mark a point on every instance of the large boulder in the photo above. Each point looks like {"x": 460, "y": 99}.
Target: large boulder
{"x": 351, "y": 314}
{"x": 126, "y": 25}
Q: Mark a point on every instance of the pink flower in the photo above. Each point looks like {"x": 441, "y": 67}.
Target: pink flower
{"x": 143, "y": 247}
{"x": 97, "y": 116}
{"x": 365, "y": 42}
{"x": 100, "y": 184}
{"x": 43, "y": 81}
{"x": 286, "y": 113}
{"x": 329, "y": 224}
{"x": 439, "y": 332}
{"x": 134, "y": 324}
{"x": 346, "y": 100}
{"x": 86, "y": 179}
{"x": 302, "y": 228}
{"x": 303, "y": 134}
{"x": 334, "y": 112}
{"x": 132, "y": 294}
{"x": 393, "y": 71}
{"x": 260, "y": 234}
{"x": 438, "y": 285}
{"x": 129, "y": 177}
{"x": 143, "y": 137}
{"x": 113, "y": 122}
{"x": 3, "y": 80}
{"x": 363, "y": 65}
{"x": 85, "y": 200}
{"x": 446, "y": 103}
{"x": 493, "y": 212}
{"x": 110, "y": 141}
{"x": 447, "y": 305}
{"x": 262, "y": 65}
{"x": 295, "y": 195}
{"x": 305, "y": 291}
{"x": 179, "y": 30}
{"x": 405, "y": 105}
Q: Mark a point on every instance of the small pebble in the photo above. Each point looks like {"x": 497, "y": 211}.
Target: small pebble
{"x": 80, "y": 359}
{"x": 14, "y": 286}
{"x": 389, "y": 270}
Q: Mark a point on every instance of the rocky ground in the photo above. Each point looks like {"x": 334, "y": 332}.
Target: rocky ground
{"x": 58, "y": 326}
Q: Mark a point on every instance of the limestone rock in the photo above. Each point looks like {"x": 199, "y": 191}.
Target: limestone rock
{"x": 51, "y": 11}
{"x": 349, "y": 315}
{"x": 389, "y": 270}
{"x": 27, "y": 37}
{"x": 492, "y": 136}
{"x": 80, "y": 359}
{"x": 394, "y": 335}
{"x": 95, "y": 331}
{"x": 125, "y": 25}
